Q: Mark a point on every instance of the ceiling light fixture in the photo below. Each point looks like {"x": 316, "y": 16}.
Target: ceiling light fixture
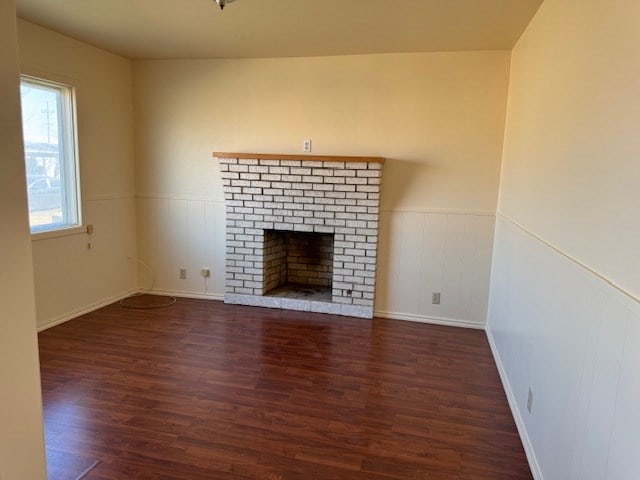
{"x": 223, "y": 3}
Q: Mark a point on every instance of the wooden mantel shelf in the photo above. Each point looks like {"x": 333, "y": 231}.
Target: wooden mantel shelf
{"x": 301, "y": 157}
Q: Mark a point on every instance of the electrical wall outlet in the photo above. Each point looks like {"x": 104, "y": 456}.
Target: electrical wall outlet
{"x": 306, "y": 146}
{"x": 530, "y": 400}
{"x": 205, "y": 272}
{"x": 182, "y": 274}
{"x": 435, "y": 298}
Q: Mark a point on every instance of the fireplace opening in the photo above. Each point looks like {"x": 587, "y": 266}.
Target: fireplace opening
{"x": 298, "y": 265}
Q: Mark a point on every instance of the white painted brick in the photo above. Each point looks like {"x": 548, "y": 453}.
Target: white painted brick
{"x": 369, "y": 173}
{"x": 270, "y": 163}
{"x": 282, "y": 185}
{"x": 336, "y": 195}
{"x": 334, "y": 165}
{"x": 302, "y": 186}
{"x": 356, "y": 209}
{"x": 355, "y": 238}
{"x": 346, "y": 188}
{"x": 301, "y": 171}
{"x": 271, "y": 177}
{"x": 336, "y": 223}
{"x": 334, "y": 180}
{"x": 324, "y": 200}
{"x": 250, "y": 176}
{"x": 230, "y": 175}
{"x": 238, "y": 168}
{"x": 279, "y": 170}
{"x": 356, "y": 181}
{"x": 356, "y": 224}
{"x": 325, "y": 187}
{"x": 242, "y": 196}
{"x": 292, "y": 178}
{"x": 368, "y": 188}
{"x": 311, "y": 163}
{"x": 265, "y": 225}
{"x": 357, "y": 195}
{"x": 303, "y": 213}
{"x": 367, "y": 260}
{"x": 356, "y": 165}
{"x": 354, "y": 266}
{"x": 345, "y": 173}
{"x": 290, "y": 163}
{"x": 312, "y": 179}
{"x": 283, "y": 226}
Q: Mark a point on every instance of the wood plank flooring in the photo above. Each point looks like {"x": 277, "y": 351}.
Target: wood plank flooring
{"x": 203, "y": 390}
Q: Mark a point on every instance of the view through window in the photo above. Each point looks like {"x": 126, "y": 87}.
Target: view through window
{"x": 48, "y": 123}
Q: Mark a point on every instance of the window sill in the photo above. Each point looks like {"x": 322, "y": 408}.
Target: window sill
{"x": 60, "y": 232}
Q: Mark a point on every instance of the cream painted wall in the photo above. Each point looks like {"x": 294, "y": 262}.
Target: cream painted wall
{"x": 21, "y": 439}
{"x": 564, "y": 311}
{"x": 571, "y": 169}
{"x": 71, "y": 278}
{"x": 437, "y": 117}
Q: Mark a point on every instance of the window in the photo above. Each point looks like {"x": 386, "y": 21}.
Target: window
{"x": 49, "y": 127}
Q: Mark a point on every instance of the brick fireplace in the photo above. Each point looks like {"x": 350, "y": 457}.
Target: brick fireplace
{"x": 302, "y": 231}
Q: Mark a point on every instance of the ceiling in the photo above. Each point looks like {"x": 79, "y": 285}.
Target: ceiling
{"x": 283, "y": 28}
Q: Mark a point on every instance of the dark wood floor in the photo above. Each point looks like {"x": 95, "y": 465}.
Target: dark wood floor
{"x": 203, "y": 390}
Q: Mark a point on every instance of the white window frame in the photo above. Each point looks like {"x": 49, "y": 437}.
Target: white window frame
{"x": 73, "y": 197}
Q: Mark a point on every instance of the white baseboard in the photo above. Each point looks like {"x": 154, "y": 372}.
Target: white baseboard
{"x": 410, "y": 317}
{"x": 522, "y": 429}
{"x": 203, "y": 296}
{"x": 79, "y": 312}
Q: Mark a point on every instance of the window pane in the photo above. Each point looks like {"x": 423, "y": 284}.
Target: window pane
{"x": 50, "y": 166}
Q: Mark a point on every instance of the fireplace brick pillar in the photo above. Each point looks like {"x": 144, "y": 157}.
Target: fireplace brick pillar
{"x": 334, "y": 195}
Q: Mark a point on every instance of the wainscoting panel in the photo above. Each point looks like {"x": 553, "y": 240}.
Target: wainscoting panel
{"x": 420, "y": 252}
{"x": 426, "y": 252}
{"x": 74, "y": 273}
{"x": 574, "y": 339}
{"x": 181, "y": 232}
